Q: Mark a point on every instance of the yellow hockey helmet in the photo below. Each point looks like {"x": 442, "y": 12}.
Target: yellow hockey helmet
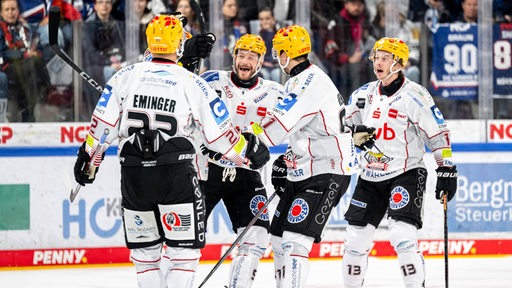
{"x": 165, "y": 35}
{"x": 293, "y": 40}
{"x": 251, "y": 42}
{"x": 395, "y": 46}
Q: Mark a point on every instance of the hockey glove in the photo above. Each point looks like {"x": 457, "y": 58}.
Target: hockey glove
{"x": 81, "y": 169}
{"x": 364, "y": 136}
{"x": 279, "y": 172}
{"x": 256, "y": 152}
{"x": 446, "y": 181}
{"x": 199, "y": 46}
{"x": 210, "y": 153}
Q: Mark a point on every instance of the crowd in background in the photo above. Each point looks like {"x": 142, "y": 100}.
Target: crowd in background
{"x": 35, "y": 86}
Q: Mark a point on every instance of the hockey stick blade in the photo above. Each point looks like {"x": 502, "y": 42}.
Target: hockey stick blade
{"x": 238, "y": 239}
{"x": 53, "y": 31}
{"x": 74, "y": 192}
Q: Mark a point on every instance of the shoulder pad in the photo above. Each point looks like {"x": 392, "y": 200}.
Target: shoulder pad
{"x": 210, "y": 76}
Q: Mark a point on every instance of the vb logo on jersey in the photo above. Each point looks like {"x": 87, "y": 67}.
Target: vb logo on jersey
{"x": 287, "y": 102}
{"x": 256, "y": 203}
{"x": 399, "y": 198}
{"x": 219, "y": 110}
{"x": 298, "y": 211}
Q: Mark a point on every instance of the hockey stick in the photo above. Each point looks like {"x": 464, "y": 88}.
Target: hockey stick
{"x": 237, "y": 240}
{"x": 202, "y": 26}
{"x": 446, "y": 251}
{"x": 53, "y": 31}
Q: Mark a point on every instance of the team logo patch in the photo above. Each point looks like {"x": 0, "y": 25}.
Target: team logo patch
{"x": 219, "y": 110}
{"x": 437, "y": 114}
{"x": 177, "y": 222}
{"x": 399, "y": 198}
{"x": 105, "y": 96}
{"x": 256, "y": 203}
{"x": 298, "y": 211}
{"x": 287, "y": 102}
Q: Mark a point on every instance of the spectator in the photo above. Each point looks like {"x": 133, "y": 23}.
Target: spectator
{"x": 469, "y": 12}
{"x": 408, "y": 32}
{"x": 270, "y": 70}
{"x": 103, "y": 48}
{"x": 502, "y": 11}
{"x": 118, "y": 8}
{"x": 234, "y": 28}
{"x": 249, "y": 9}
{"x": 346, "y": 47}
{"x": 183, "y": 6}
{"x": 440, "y": 11}
{"x": 417, "y": 9}
{"x": 22, "y": 63}
{"x": 145, "y": 15}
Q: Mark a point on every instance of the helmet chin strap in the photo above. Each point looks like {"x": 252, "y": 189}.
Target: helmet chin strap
{"x": 391, "y": 72}
{"x": 285, "y": 65}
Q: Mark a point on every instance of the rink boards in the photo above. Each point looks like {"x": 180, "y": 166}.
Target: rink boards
{"x": 40, "y": 227}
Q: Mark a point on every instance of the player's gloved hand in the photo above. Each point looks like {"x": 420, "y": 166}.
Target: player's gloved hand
{"x": 81, "y": 169}
{"x": 278, "y": 177}
{"x": 199, "y": 46}
{"x": 210, "y": 153}
{"x": 364, "y": 136}
{"x": 446, "y": 182}
{"x": 256, "y": 152}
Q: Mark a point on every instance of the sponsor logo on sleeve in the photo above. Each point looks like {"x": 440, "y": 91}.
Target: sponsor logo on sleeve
{"x": 437, "y": 114}
{"x": 287, "y": 102}
{"x": 219, "y": 110}
{"x": 105, "y": 96}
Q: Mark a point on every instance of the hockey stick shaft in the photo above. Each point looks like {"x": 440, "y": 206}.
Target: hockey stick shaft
{"x": 202, "y": 26}
{"x": 446, "y": 251}
{"x": 53, "y": 31}
{"x": 238, "y": 239}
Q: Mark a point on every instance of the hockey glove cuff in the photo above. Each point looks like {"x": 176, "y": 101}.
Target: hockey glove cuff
{"x": 256, "y": 151}
{"x": 81, "y": 169}
{"x": 279, "y": 172}
{"x": 446, "y": 182}
{"x": 199, "y": 46}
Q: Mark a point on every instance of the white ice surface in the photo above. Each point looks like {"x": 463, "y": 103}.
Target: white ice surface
{"x": 464, "y": 273}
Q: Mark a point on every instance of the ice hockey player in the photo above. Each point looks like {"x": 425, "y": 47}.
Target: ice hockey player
{"x": 153, "y": 109}
{"x": 248, "y": 97}
{"x": 320, "y": 157}
{"x": 403, "y": 118}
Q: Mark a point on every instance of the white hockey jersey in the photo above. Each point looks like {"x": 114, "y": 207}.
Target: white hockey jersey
{"x": 310, "y": 117}
{"x": 405, "y": 121}
{"x": 164, "y": 96}
{"x": 247, "y": 105}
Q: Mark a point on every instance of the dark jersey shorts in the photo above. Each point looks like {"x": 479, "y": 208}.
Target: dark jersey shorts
{"x": 401, "y": 197}
{"x": 242, "y": 197}
{"x": 305, "y": 205}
